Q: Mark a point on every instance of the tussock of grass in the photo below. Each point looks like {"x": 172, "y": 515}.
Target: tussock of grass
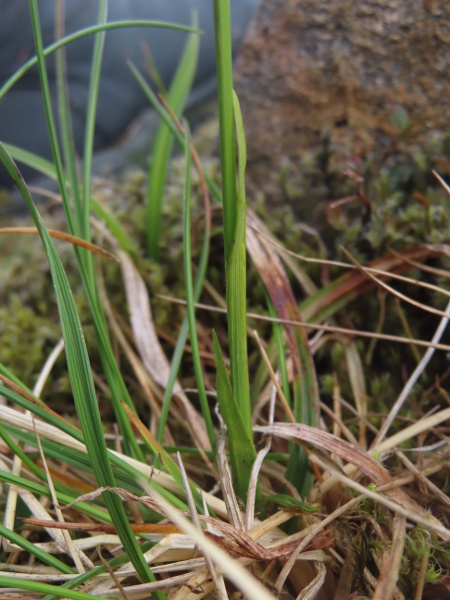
{"x": 328, "y": 477}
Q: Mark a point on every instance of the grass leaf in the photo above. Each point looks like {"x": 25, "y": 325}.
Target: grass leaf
{"x": 163, "y": 142}
{"x": 81, "y": 378}
{"x": 242, "y": 449}
{"x": 190, "y": 296}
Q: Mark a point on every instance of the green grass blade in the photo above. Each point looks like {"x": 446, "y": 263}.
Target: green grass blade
{"x": 46, "y": 588}
{"x": 19, "y": 452}
{"x": 42, "y": 165}
{"x": 190, "y": 292}
{"x": 181, "y": 341}
{"x": 114, "y": 225}
{"x": 126, "y": 475}
{"x": 43, "y": 490}
{"x": 81, "y": 379}
{"x": 236, "y": 278}
{"x": 118, "y": 388}
{"x": 34, "y": 550}
{"x": 278, "y": 337}
{"x": 163, "y": 143}
{"x": 222, "y": 28}
{"x": 38, "y": 408}
{"x": 203, "y": 263}
{"x": 90, "y": 130}
{"x": 93, "y": 573}
{"x": 47, "y": 168}
{"x": 289, "y": 502}
{"x": 298, "y": 470}
{"x": 162, "y": 112}
{"x": 77, "y": 35}
{"x": 65, "y": 118}
{"x": 166, "y": 460}
{"x": 46, "y": 97}
{"x": 242, "y": 449}
{"x": 7, "y": 373}
{"x": 306, "y": 403}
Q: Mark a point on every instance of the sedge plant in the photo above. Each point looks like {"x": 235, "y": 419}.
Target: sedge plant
{"x": 87, "y": 449}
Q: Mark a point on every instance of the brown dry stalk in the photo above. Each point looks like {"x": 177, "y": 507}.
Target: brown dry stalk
{"x": 391, "y": 560}
{"x": 318, "y": 327}
{"x": 149, "y": 528}
{"x": 65, "y": 237}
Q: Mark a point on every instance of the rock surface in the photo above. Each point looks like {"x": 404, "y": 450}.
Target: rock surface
{"x": 319, "y": 83}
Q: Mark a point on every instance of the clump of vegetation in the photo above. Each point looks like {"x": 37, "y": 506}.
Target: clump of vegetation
{"x": 326, "y": 441}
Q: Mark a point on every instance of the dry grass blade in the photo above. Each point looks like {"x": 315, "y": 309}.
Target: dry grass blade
{"x": 78, "y": 557}
{"x": 65, "y": 237}
{"x": 356, "y": 376}
{"x": 413, "y": 513}
{"x": 322, "y": 439}
{"x": 149, "y": 347}
{"x": 438, "y": 493}
{"x": 226, "y": 480}
{"x": 231, "y": 568}
{"x": 421, "y": 426}
{"x": 433, "y": 270}
{"x": 274, "y": 378}
{"x": 146, "y": 528}
{"x": 310, "y": 591}
{"x": 383, "y": 267}
{"x": 219, "y": 584}
{"x": 16, "y": 388}
{"x": 277, "y": 284}
{"x": 303, "y": 278}
{"x": 442, "y": 182}
{"x": 252, "y": 488}
{"x": 318, "y": 327}
{"x": 390, "y": 565}
{"x": 309, "y": 537}
{"x": 391, "y": 290}
{"x": 142, "y": 374}
{"x": 413, "y": 378}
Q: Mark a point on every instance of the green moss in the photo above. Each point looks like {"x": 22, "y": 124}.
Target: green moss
{"x": 421, "y": 545}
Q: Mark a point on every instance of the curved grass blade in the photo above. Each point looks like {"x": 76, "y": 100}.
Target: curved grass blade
{"x": 46, "y": 588}
{"x": 65, "y": 237}
{"x": 73, "y": 37}
{"x": 34, "y": 550}
{"x": 305, "y": 387}
{"x": 81, "y": 379}
{"x": 43, "y": 490}
{"x": 47, "y": 168}
{"x": 117, "y": 386}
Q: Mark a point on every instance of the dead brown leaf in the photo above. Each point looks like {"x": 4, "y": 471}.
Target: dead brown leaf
{"x": 150, "y": 351}
{"x": 65, "y": 237}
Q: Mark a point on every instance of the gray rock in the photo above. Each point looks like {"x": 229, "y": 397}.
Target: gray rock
{"x": 319, "y": 81}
